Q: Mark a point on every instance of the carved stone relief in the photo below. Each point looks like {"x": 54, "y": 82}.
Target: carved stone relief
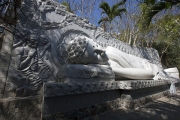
{"x": 54, "y": 53}
{"x": 43, "y": 31}
{"x": 29, "y": 63}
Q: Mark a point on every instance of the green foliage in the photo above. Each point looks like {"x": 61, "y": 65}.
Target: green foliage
{"x": 111, "y": 12}
{"x": 170, "y": 58}
{"x": 151, "y": 7}
{"x": 150, "y": 2}
{"x": 167, "y": 39}
{"x": 67, "y": 6}
{"x": 162, "y": 33}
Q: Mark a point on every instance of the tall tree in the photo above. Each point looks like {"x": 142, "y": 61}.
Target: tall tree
{"x": 153, "y": 7}
{"x": 164, "y": 35}
{"x": 111, "y": 12}
{"x": 127, "y": 26}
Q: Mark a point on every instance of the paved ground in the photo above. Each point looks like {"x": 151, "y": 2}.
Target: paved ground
{"x": 166, "y": 108}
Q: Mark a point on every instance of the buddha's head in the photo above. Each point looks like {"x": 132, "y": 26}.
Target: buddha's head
{"x": 83, "y": 50}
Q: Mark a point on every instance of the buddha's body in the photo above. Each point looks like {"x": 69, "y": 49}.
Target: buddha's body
{"x": 128, "y": 66}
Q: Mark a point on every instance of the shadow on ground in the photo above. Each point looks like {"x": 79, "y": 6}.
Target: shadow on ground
{"x": 166, "y": 108}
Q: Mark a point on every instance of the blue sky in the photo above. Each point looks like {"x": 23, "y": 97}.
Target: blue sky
{"x": 96, "y": 13}
{"x": 94, "y": 17}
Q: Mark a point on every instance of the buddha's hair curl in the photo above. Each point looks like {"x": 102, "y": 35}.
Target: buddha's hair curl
{"x": 76, "y": 49}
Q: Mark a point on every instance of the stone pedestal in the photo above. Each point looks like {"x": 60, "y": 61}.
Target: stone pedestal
{"x": 78, "y": 101}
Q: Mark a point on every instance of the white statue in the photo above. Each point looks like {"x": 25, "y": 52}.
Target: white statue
{"x": 126, "y": 66}
{"x": 172, "y": 72}
{"x": 129, "y": 66}
{"x": 88, "y": 61}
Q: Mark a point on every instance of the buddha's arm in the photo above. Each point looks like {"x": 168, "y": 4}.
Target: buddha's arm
{"x": 119, "y": 57}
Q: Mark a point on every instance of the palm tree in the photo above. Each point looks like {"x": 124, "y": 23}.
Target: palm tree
{"x": 111, "y": 12}
{"x": 156, "y": 6}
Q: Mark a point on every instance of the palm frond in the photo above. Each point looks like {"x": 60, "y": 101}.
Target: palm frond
{"x": 114, "y": 7}
{"x": 111, "y": 12}
{"x": 105, "y": 7}
{"x": 156, "y": 8}
{"x": 119, "y": 12}
{"x": 153, "y": 11}
{"x": 121, "y": 3}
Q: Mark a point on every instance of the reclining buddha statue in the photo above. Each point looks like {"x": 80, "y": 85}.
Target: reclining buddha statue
{"x": 89, "y": 62}
{"x": 86, "y": 62}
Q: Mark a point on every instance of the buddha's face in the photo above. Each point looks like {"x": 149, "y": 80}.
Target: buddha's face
{"x": 94, "y": 54}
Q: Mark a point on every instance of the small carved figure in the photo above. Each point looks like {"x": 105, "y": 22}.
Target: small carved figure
{"x": 28, "y": 61}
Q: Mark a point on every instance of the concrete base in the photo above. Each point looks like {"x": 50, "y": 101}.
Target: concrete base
{"x": 74, "y": 104}
{"x": 81, "y": 105}
{"x": 79, "y": 101}
{"x": 134, "y": 98}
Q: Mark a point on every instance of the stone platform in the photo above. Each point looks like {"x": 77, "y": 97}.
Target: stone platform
{"x": 78, "y": 101}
